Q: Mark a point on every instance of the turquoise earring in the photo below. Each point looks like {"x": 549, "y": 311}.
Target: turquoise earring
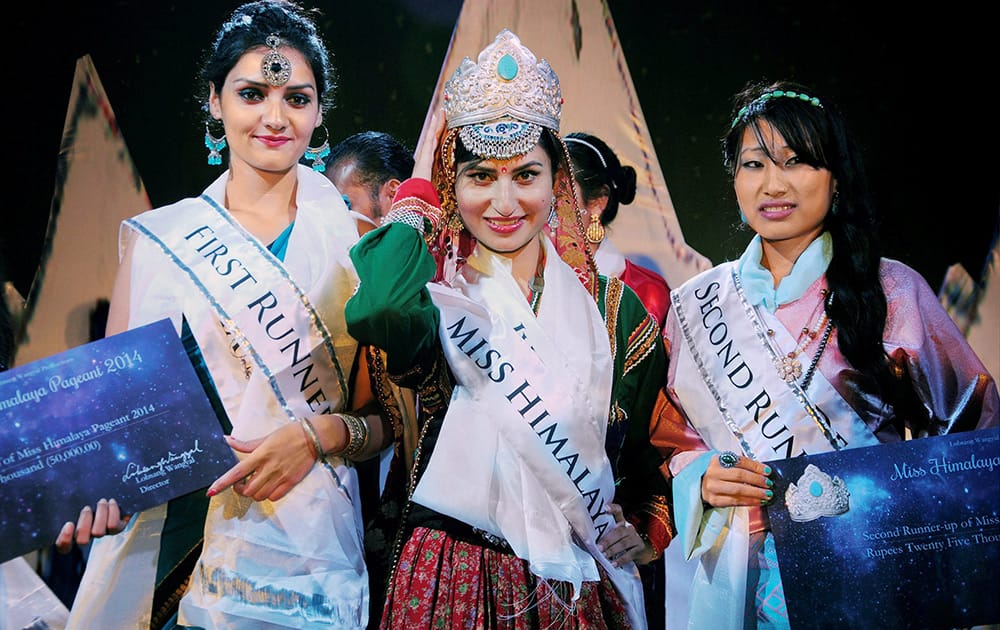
{"x": 316, "y": 154}
{"x": 214, "y": 146}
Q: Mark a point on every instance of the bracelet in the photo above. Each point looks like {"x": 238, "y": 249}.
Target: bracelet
{"x": 313, "y": 439}
{"x": 406, "y": 216}
{"x": 357, "y": 435}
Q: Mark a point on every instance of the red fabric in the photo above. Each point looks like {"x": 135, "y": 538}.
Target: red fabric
{"x": 651, "y": 288}
{"x": 670, "y": 433}
{"x": 419, "y": 188}
{"x": 440, "y": 582}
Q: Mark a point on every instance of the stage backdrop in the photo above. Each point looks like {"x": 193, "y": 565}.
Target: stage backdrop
{"x": 96, "y": 187}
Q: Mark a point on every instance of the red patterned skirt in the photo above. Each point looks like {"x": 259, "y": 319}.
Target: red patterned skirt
{"x": 442, "y": 582}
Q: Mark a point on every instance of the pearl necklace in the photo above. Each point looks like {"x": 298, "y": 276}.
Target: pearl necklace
{"x": 789, "y": 367}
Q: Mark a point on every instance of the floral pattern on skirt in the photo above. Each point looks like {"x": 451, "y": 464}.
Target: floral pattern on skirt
{"x": 441, "y": 582}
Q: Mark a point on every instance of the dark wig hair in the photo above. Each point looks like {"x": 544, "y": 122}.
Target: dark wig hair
{"x": 817, "y": 132}
{"x": 249, "y": 26}
{"x": 599, "y": 172}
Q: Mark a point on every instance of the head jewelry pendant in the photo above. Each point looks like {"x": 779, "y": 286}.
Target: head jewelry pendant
{"x": 275, "y": 67}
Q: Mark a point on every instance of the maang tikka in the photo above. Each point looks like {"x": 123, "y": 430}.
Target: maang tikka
{"x": 275, "y": 67}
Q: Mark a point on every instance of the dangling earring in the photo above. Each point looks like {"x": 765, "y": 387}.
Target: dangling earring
{"x": 455, "y": 224}
{"x": 743, "y": 217}
{"x": 836, "y": 198}
{"x": 553, "y": 215}
{"x": 595, "y": 231}
{"x": 214, "y": 146}
{"x": 316, "y": 154}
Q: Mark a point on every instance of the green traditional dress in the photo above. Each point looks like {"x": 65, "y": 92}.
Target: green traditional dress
{"x": 455, "y": 566}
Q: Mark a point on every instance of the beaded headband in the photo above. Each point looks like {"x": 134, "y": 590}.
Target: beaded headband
{"x": 511, "y": 91}
{"x": 755, "y": 105}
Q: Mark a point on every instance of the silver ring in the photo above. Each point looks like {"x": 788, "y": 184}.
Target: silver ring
{"x": 728, "y": 459}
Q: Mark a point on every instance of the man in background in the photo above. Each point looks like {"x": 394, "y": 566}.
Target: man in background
{"x": 367, "y": 168}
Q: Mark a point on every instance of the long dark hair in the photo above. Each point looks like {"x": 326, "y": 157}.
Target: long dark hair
{"x": 249, "y": 26}
{"x": 817, "y": 132}
{"x": 598, "y": 171}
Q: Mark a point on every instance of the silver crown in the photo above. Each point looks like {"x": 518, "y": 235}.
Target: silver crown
{"x": 507, "y": 82}
{"x": 816, "y": 495}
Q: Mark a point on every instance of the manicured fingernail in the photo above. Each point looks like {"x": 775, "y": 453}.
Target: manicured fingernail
{"x": 768, "y": 493}
{"x": 211, "y": 492}
{"x": 770, "y": 484}
{"x": 767, "y": 470}
{"x": 110, "y": 501}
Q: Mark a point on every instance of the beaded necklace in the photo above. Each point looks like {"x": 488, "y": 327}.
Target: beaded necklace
{"x": 789, "y": 367}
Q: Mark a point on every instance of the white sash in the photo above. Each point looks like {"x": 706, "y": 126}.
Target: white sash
{"x": 762, "y": 416}
{"x": 727, "y": 383}
{"x": 521, "y": 451}
{"x": 270, "y": 317}
{"x": 262, "y": 562}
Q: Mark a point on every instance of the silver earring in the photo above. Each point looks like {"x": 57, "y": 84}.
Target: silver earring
{"x": 316, "y": 154}
{"x": 214, "y": 146}
{"x": 833, "y": 206}
{"x": 553, "y": 215}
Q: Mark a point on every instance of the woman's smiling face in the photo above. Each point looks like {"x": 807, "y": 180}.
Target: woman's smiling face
{"x": 267, "y": 127}
{"x": 504, "y": 204}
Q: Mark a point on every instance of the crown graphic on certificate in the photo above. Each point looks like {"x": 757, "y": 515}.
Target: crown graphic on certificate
{"x": 816, "y": 494}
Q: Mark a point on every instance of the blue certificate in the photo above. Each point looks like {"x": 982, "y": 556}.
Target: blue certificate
{"x": 902, "y": 535}
{"x": 124, "y": 417}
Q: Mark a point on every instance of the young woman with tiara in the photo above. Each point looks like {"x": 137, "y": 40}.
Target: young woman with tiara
{"x": 255, "y": 271}
{"x": 810, "y": 342}
{"x": 534, "y": 488}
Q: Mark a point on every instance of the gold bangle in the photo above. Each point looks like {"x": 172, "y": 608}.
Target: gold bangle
{"x": 313, "y": 438}
{"x": 357, "y": 435}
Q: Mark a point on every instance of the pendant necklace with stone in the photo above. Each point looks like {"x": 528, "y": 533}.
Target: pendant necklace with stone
{"x": 788, "y": 365}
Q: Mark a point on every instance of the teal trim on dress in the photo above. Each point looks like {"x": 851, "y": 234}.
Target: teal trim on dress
{"x": 279, "y": 247}
{"x": 758, "y": 283}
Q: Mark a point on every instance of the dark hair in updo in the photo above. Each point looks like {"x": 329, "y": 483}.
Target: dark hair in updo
{"x": 249, "y": 26}
{"x": 595, "y": 179}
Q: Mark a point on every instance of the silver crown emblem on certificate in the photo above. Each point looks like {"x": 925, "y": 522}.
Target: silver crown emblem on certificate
{"x": 816, "y": 494}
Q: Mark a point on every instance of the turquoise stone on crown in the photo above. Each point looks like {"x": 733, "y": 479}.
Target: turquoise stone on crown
{"x": 507, "y": 68}
{"x": 815, "y": 489}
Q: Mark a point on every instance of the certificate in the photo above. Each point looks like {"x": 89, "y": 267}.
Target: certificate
{"x": 900, "y": 535}
{"x": 124, "y": 417}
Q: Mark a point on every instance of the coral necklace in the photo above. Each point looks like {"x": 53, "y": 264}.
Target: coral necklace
{"x": 788, "y": 365}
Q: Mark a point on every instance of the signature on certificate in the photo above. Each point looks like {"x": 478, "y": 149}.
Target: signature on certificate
{"x": 169, "y": 462}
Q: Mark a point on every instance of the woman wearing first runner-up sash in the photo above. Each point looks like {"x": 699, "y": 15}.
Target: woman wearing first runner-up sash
{"x": 534, "y": 486}
{"x": 809, "y": 342}
{"x": 256, "y": 270}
